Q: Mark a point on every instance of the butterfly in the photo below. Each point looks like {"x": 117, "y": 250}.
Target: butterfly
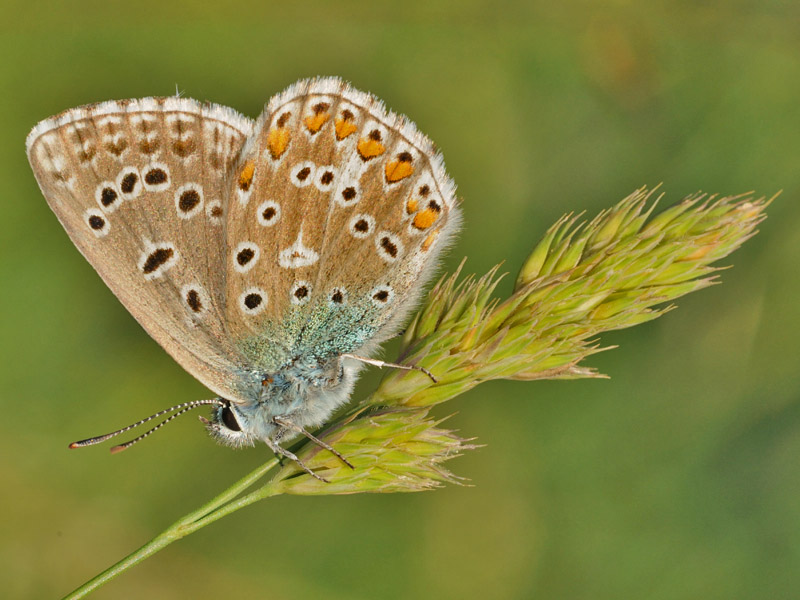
{"x": 269, "y": 258}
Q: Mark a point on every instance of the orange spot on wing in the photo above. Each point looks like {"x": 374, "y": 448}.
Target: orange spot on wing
{"x": 278, "y": 140}
{"x": 369, "y": 148}
{"x": 429, "y": 240}
{"x": 426, "y": 218}
{"x": 411, "y": 206}
{"x": 344, "y": 127}
{"x": 397, "y": 170}
{"x": 246, "y": 176}
{"x": 315, "y": 122}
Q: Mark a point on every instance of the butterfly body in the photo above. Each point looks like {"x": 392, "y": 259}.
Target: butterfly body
{"x": 304, "y": 393}
{"x": 259, "y": 254}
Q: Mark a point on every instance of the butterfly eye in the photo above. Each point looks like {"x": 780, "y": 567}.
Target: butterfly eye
{"x": 229, "y": 419}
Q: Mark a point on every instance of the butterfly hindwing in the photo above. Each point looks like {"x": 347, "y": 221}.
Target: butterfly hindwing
{"x": 336, "y": 215}
{"x": 140, "y": 187}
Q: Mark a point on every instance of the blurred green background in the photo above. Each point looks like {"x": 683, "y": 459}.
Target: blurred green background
{"x": 677, "y": 478}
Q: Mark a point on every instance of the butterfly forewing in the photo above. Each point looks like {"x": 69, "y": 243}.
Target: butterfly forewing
{"x": 140, "y": 187}
{"x": 336, "y": 211}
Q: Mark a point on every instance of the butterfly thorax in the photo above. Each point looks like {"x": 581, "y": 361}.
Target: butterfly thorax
{"x": 305, "y": 392}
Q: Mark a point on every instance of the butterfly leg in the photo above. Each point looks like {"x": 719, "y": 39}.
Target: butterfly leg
{"x": 289, "y": 425}
{"x": 281, "y": 451}
{"x": 277, "y": 440}
{"x": 380, "y": 363}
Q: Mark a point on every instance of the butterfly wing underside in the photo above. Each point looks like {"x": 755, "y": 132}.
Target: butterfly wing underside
{"x": 242, "y": 247}
{"x": 140, "y": 187}
{"x": 336, "y": 214}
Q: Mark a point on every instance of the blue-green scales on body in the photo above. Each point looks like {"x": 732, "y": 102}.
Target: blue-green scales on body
{"x": 299, "y": 373}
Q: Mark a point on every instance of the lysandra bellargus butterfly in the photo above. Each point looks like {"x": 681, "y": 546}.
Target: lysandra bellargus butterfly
{"x": 269, "y": 258}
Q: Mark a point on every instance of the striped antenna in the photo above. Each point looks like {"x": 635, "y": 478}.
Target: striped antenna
{"x": 181, "y": 408}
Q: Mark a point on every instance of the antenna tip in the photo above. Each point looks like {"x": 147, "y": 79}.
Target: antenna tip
{"x": 74, "y": 445}
{"x": 118, "y": 449}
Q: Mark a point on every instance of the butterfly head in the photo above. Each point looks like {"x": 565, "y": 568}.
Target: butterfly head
{"x": 238, "y": 425}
